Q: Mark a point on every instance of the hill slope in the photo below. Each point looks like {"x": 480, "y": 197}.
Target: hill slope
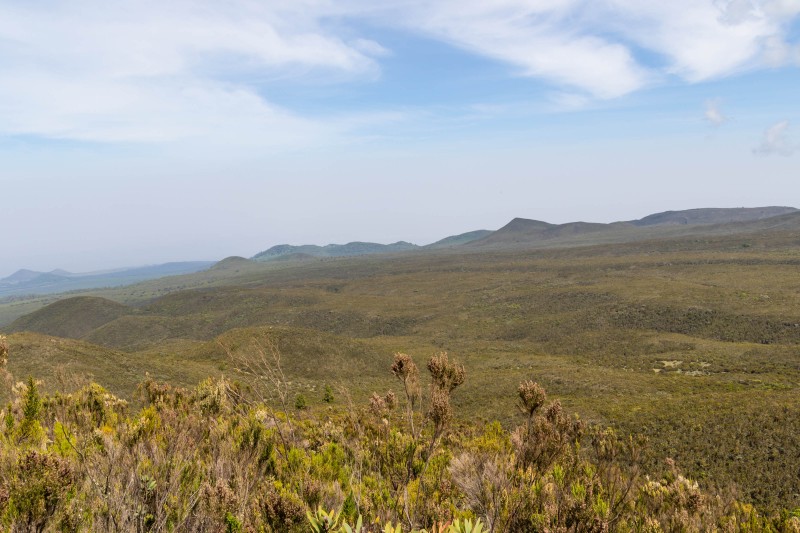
{"x": 684, "y": 334}
{"x": 72, "y": 317}
{"x": 350, "y": 249}
{"x": 24, "y": 282}
{"x": 712, "y": 216}
{"x": 523, "y": 233}
{"x": 463, "y": 238}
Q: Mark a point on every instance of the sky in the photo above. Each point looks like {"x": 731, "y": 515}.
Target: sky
{"x": 140, "y": 132}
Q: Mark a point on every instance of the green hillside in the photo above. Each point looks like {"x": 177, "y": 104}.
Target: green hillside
{"x": 655, "y": 337}
{"x": 713, "y": 215}
{"x": 699, "y": 223}
{"x": 65, "y": 364}
{"x": 333, "y": 250}
{"x": 73, "y": 317}
{"x": 463, "y": 238}
{"x": 676, "y": 338}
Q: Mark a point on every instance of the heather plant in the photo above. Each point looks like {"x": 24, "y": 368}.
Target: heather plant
{"x": 38, "y": 490}
{"x": 3, "y": 351}
{"x": 208, "y": 459}
{"x": 300, "y": 402}
{"x": 545, "y": 435}
{"x": 5, "y": 375}
{"x": 420, "y": 485}
{"x": 327, "y": 396}
{"x": 260, "y": 366}
{"x": 29, "y": 431}
{"x": 407, "y": 372}
{"x": 6, "y": 416}
{"x": 445, "y": 377}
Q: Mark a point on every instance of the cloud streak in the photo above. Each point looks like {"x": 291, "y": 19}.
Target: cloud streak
{"x": 148, "y": 71}
{"x": 593, "y": 45}
{"x": 776, "y": 141}
{"x": 713, "y": 114}
{"x": 537, "y": 38}
{"x": 156, "y": 72}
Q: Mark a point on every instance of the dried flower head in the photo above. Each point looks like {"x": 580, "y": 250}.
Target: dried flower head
{"x": 403, "y": 366}
{"x": 390, "y": 400}
{"x": 440, "y": 413}
{"x": 531, "y": 397}
{"x": 377, "y": 404}
{"x": 3, "y": 351}
{"x": 446, "y": 375}
{"x": 554, "y": 412}
{"x": 406, "y": 371}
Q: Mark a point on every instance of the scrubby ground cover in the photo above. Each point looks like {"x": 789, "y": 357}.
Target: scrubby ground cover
{"x": 227, "y": 456}
{"x": 693, "y": 343}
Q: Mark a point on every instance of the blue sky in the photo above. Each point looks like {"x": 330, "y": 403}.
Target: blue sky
{"x": 140, "y": 132}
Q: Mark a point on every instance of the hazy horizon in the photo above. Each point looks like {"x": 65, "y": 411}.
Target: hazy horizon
{"x": 101, "y": 269}
{"x": 143, "y": 133}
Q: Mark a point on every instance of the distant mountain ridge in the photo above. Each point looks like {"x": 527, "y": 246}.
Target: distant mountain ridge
{"x": 21, "y": 276}
{"x": 356, "y": 248}
{"x": 334, "y": 250}
{"x": 521, "y": 232}
{"x": 457, "y": 240}
{"x": 713, "y": 215}
{"x": 24, "y": 282}
{"x": 126, "y": 325}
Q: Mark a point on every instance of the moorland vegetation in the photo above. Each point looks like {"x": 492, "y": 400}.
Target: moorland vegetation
{"x": 688, "y": 342}
{"x": 221, "y": 457}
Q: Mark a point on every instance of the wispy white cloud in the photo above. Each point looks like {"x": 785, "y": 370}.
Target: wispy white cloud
{"x": 541, "y": 39}
{"x": 703, "y": 39}
{"x": 594, "y": 45}
{"x": 147, "y": 70}
{"x": 164, "y": 71}
{"x": 776, "y": 141}
{"x": 713, "y": 114}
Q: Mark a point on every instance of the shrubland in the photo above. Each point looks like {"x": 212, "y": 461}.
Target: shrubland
{"x": 693, "y": 343}
{"x": 236, "y": 456}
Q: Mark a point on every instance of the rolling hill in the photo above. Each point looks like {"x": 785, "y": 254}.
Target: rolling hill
{"x": 712, "y": 216}
{"x": 457, "y": 240}
{"x": 354, "y": 249}
{"x": 524, "y": 233}
{"x": 521, "y": 232}
{"x": 679, "y": 332}
{"x": 29, "y": 282}
{"x": 72, "y": 317}
{"x": 350, "y": 249}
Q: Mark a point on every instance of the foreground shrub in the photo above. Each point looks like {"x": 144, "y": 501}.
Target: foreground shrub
{"x": 209, "y": 459}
